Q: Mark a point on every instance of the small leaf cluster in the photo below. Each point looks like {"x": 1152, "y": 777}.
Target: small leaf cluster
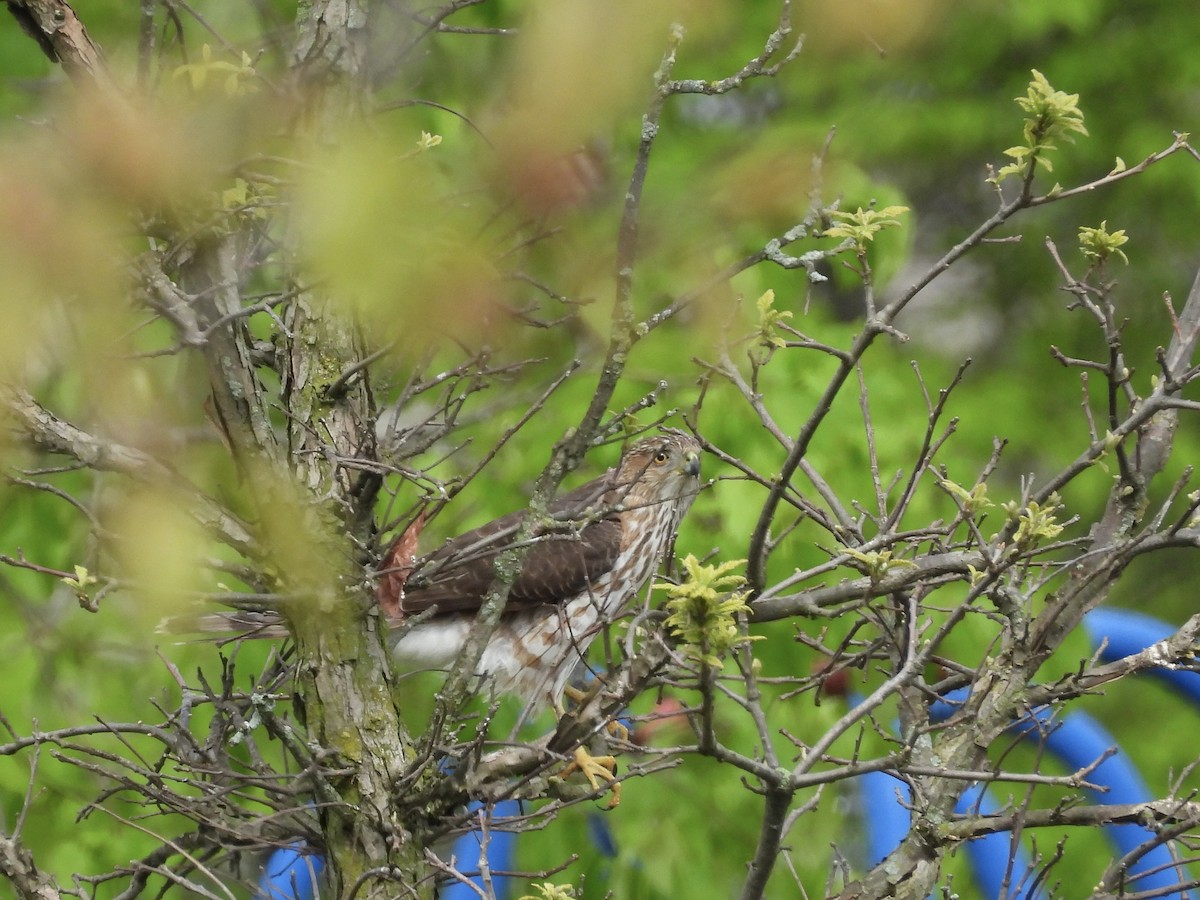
{"x": 427, "y": 141}
{"x": 1099, "y": 244}
{"x": 703, "y": 611}
{"x": 973, "y": 501}
{"x": 1051, "y": 116}
{"x": 548, "y": 891}
{"x": 862, "y": 225}
{"x": 80, "y": 583}
{"x": 877, "y": 563}
{"x": 769, "y": 320}
{"x": 239, "y": 78}
{"x": 246, "y": 200}
{"x": 1036, "y": 523}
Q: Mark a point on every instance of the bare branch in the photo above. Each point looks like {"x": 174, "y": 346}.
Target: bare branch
{"x": 54, "y": 435}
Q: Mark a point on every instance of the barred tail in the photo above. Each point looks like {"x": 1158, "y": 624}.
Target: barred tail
{"x": 234, "y": 624}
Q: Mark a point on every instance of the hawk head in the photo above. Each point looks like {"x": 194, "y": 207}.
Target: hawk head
{"x": 660, "y": 469}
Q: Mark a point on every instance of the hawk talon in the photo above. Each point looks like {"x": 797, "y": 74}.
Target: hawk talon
{"x": 595, "y": 768}
{"x": 575, "y": 695}
{"x": 616, "y": 728}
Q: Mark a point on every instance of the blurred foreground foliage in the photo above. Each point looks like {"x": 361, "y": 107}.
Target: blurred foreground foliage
{"x": 480, "y": 264}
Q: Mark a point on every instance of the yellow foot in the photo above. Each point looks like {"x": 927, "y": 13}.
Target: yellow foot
{"x": 576, "y": 695}
{"x": 596, "y": 769}
{"x": 617, "y": 729}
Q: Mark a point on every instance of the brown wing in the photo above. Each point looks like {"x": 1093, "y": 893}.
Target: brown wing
{"x": 456, "y": 577}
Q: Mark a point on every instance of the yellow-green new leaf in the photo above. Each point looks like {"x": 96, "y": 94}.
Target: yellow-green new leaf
{"x": 704, "y": 611}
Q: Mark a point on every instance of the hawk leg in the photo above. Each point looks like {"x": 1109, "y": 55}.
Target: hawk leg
{"x": 596, "y": 769}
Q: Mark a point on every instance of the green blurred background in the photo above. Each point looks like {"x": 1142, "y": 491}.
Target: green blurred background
{"x": 919, "y": 98}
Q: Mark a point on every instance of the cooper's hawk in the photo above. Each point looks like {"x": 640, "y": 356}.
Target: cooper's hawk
{"x": 600, "y": 544}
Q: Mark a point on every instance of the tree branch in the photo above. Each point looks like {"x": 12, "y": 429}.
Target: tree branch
{"x": 62, "y": 37}
{"x": 16, "y": 863}
{"x": 54, "y": 435}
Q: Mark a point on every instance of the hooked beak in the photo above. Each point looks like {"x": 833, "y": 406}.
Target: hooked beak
{"x": 691, "y": 464}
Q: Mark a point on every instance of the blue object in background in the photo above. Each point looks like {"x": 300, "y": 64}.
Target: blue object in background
{"x": 990, "y": 854}
{"x": 1118, "y": 633}
{"x": 468, "y": 855}
{"x": 1078, "y": 740}
{"x": 885, "y": 800}
{"x": 291, "y": 873}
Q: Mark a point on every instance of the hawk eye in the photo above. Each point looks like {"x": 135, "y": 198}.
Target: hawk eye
{"x": 661, "y": 457}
